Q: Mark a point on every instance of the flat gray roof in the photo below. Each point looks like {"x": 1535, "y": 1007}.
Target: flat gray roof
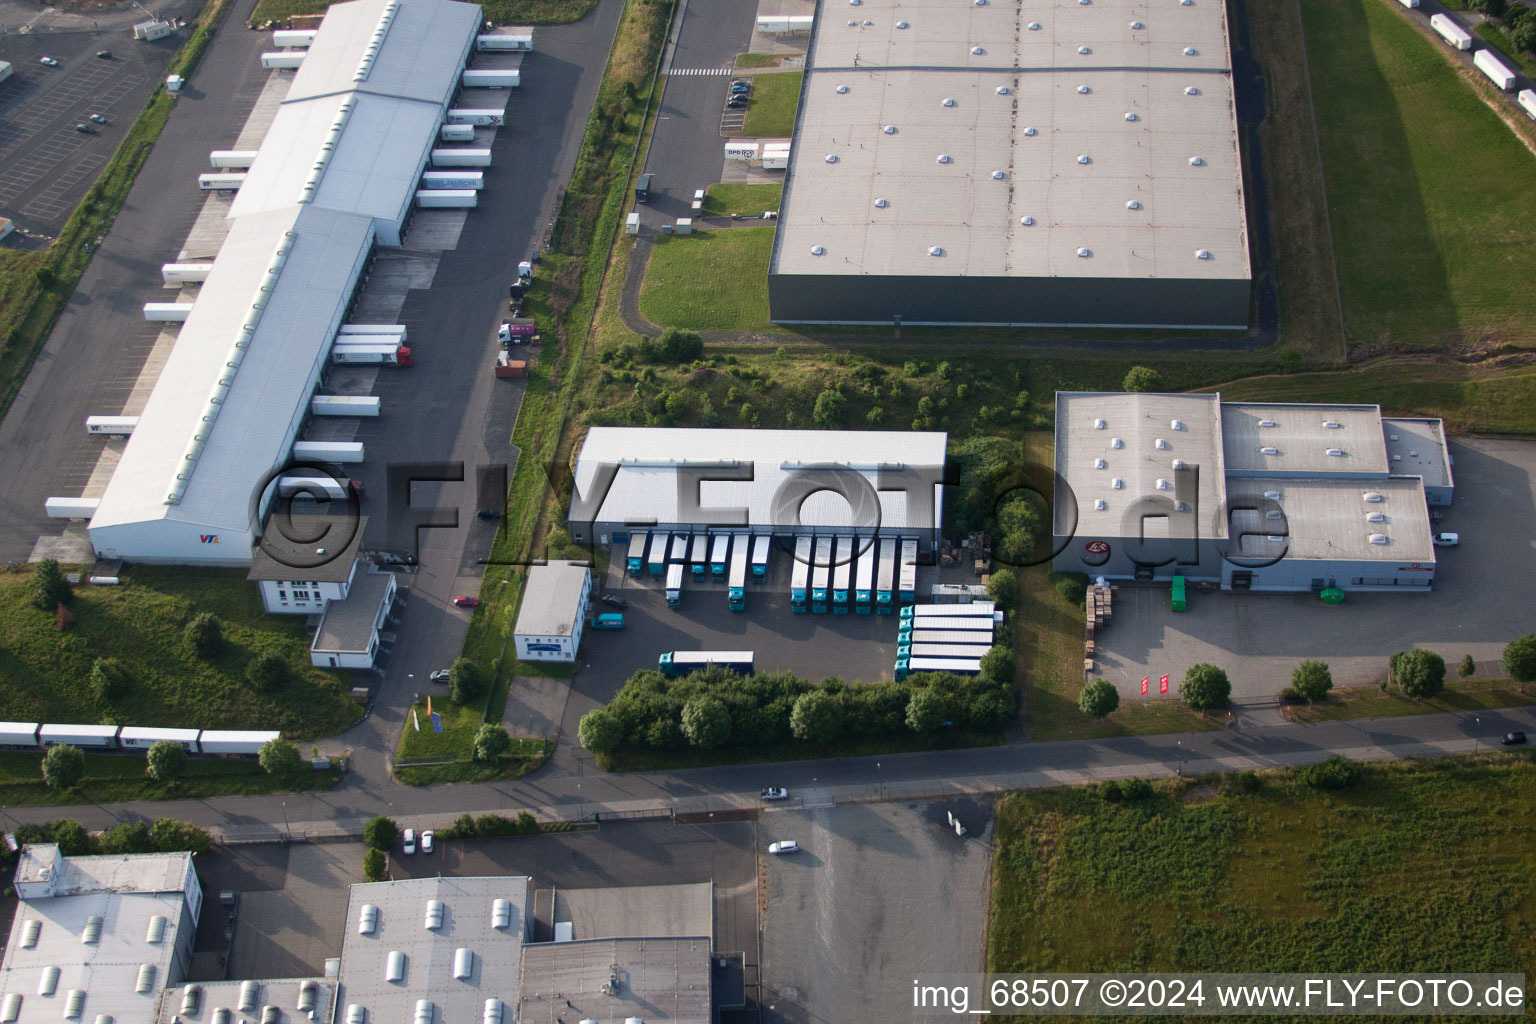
{"x": 639, "y": 911}
{"x": 551, "y": 598}
{"x": 1417, "y": 447}
{"x": 1302, "y": 437}
{"x": 42, "y": 863}
{"x": 283, "y": 993}
{"x": 1003, "y": 91}
{"x": 347, "y": 626}
{"x": 341, "y": 535}
{"x": 660, "y": 980}
{"x": 1328, "y": 519}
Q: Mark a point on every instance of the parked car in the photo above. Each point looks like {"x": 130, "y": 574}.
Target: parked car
{"x": 775, "y": 793}
{"x": 698, "y": 195}
{"x": 427, "y": 839}
{"x": 97, "y": 118}
{"x": 611, "y": 620}
{"x": 408, "y": 841}
{"x": 1447, "y": 540}
{"x": 48, "y": 61}
{"x": 465, "y": 601}
{"x": 440, "y": 677}
{"x": 489, "y": 513}
{"x": 740, "y": 90}
{"x": 1513, "y": 739}
{"x": 737, "y": 102}
{"x": 104, "y": 54}
{"x": 614, "y": 601}
{"x": 85, "y": 129}
{"x": 739, "y": 81}
{"x": 784, "y": 846}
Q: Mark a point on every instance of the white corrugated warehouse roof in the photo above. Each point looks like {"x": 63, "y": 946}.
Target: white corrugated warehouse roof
{"x": 550, "y": 599}
{"x": 647, "y": 485}
{"x": 1135, "y": 104}
{"x": 369, "y": 123}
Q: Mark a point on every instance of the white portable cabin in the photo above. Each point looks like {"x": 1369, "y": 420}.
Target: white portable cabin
{"x": 329, "y": 451}
{"x": 18, "y": 734}
{"x": 1527, "y": 100}
{"x": 234, "y": 741}
{"x": 167, "y": 312}
{"x": 457, "y": 133}
{"x": 1451, "y": 32}
{"x": 344, "y": 405}
{"x": 461, "y": 157}
{"x": 446, "y": 199}
{"x": 1499, "y": 73}
{"x": 741, "y": 151}
{"x": 293, "y": 36}
{"x": 229, "y": 181}
{"x": 513, "y": 39}
{"x": 95, "y": 737}
{"x": 112, "y": 426}
{"x": 231, "y": 159}
{"x": 395, "y": 330}
{"x": 491, "y": 78}
{"x": 452, "y": 180}
{"x": 185, "y": 273}
{"x": 138, "y": 737}
{"x": 284, "y": 59}
{"x": 71, "y": 508}
{"x": 478, "y": 117}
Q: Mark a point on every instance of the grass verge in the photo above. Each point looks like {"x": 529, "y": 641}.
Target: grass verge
{"x": 771, "y": 105}
{"x": 116, "y": 778}
{"x": 1374, "y": 702}
{"x": 712, "y": 280}
{"x": 763, "y": 60}
{"x": 729, "y": 200}
{"x": 1196, "y": 879}
{"x": 526, "y": 755}
{"x": 45, "y": 673}
{"x": 501, "y": 12}
{"x": 1491, "y": 33}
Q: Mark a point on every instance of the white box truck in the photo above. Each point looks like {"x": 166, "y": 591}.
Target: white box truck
{"x": 1451, "y": 32}
{"x": 371, "y": 355}
{"x": 231, "y": 159}
{"x": 512, "y": 39}
{"x": 293, "y": 36}
{"x": 111, "y": 426}
{"x": 185, "y": 273}
{"x": 393, "y": 330}
{"x": 1499, "y": 73}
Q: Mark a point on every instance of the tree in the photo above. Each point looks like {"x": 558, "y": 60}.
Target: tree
{"x": 380, "y": 833}
{"x": 73, "y": 839}
{"x": 63, "y": 766}
{"x": 491, "y": 742}
{"x": 1205, "y": 687}
{"x": 1003, "y": 588}
{"x": 527, "y": 824}
{"x": 926, "y": 711}
{"x": 268, "y": 671}
{"x": 600, "y": 731}
{"x": 1520, "y": 655}
{"x": 111, "y": 680}
{"x": 204, "y": 634}
{"x": 173, "y": 836}
{"x": 49, "y": 587}
{"x": 998, "y": 664}
{"x": 167, "y": 760}
{"x": 706, "y": 722}
{"x": 465, "y": 682}
{"x": 1420, "y": 674}
{"x": 373, "y": 865}
{"x": 830, "y": 411}
{"x": 279, "y": 757}
{"x": 45, "y": 277}
{"x": 1312, "y": 680}
{"x": 128, "y": 837}
{"x": 817, "y": 717}
{"x": 1468, "y": 667}
{"x": 1141, "y": 378}
{"x": 1098, "y": 699}
{"x": 676, "y": 346}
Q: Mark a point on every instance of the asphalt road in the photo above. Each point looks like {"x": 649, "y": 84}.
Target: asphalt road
{"x": 101, "y": 341}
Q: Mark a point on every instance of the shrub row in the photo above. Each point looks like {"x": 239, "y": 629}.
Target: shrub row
{"x": 164, "y": 836}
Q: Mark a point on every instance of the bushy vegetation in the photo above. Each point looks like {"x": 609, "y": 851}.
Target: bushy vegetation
{"x": 380, "y": 833}
{"x": 166, "y": 835}
{"x": 1205, "y": 687}
{"x": 468, "y": 827}
{"x": 1420, "y": 674}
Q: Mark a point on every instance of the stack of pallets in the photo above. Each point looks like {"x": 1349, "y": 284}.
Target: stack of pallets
{"x": 1098, "y": 608}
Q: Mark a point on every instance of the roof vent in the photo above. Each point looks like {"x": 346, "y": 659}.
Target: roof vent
{"x": 1190, "y": 51}
{"x": 12, "y": 1008}
{"x": 1268, "y": 423}
{"x": 394, "y": 966}
{"x": 1376, "y": 517}
{"x": 1131, "y": 115}
{"x": 1003, "y": 90}
{"x": 1378, "y": 538}
{"x": 1332, "y": 425}
{"x": 29, "y": 933}
{"x": 1373, "y": 496}
{"x": 250, "y": 995}
{"x": 91, "y": 933}
{"x": 881, "y": 203}
{"x": 1084, "y": 254}
{"x": 1180, "y": 464}
{"x": 944, "y": 158}
{"x": 493, "y": 1006}
{"x": 1084, "y": 158}
{"x": 1180, "y": 506}
{"x": 980, "y": 3}
{"x": 1163, "y": 485}
{"x": 309, "y": 992}
{"x": 889, "y": 129}
{"x": 74, "y": 1004}
{"x": 867, "y": 23}
{"x": 831, "y": 158}
{"x": 1084, "y": 90}
{"x": 1197, "y": 161}
{"x": 434, "y": 915}
{"x": 1274, "y": 513}
{"x": 146, "y": 979}
{"x": 1118, "y": 484}
{"x": 1337, "y": 453}
{"x": 424, "y": 1011}
{"x": 1269, "y": 450}
{"x": 367, "y": 919}
{"x": 1391, "y": 437}
{"x": 1202, "y": 254}
{"x": 1176, "y": 425}
{"x": 901, "y": 24}
{"x": 1116, "y": 443}
{"x": 1100, "y": 464}
{"x": 1272, "y": 495}
{"x": 998, "y": 175}
{"x": 463, "y": 963}
{"x": 1099, "y": 425}
{"x": 1397, "y": 458}
{"x": 271, "y": 1014}
{"x": 1190, "y": 90}
{"x": 817, "y": 250}
{"x": 220, "y": 1016}
{"x": 1133, "y": 205}
{"x": 1413, "y": 455}
{"x": 501, "y": 913}
{"x": 1034, "y": 26}
{"x": 1084, "y": 50}
{"x": 947, "y": 101}
{"x": 1099, "y": 504}
{"x": 977, "y": 51}
{"x": 1031, "y": 131}
{"x": 934, "y": 250}
{"x": 1276, "y": 538}
{"x": 357, "y": 1013}
{"x": 1186, "y": 3}
{"x": 1161, "y": 444}
{"x": 1028, "y": 222}
{"x": 843, "y": 88}
{"x": 48, "y": 981}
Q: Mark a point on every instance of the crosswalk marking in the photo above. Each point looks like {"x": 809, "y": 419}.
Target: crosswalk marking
{"x": 701, "y": 71}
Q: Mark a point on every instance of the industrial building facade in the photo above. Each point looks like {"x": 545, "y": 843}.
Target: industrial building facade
{"x": 1283, "y": 497}
{"x": 553, "y": 612}
{"x": 783, "y": 483}
{"x": 988, "y": 163}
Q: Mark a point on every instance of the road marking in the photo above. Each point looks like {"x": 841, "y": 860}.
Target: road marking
{"x": 701, "y": 71}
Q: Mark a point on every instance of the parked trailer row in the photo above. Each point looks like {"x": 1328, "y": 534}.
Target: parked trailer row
{"x": 185, "y": 273}
{"x": 39, "y": 736}
{"x": 461, "y": 157}
{"x": 221, "y": 181}
{"x": 1499, "y": 73}
{"x": 111, "y": 426}
{"x": 1451, "y": 32}
{"x": 446, "y": 199}
{"x": 344, "y": 405}
{"x": 397, "y": 331}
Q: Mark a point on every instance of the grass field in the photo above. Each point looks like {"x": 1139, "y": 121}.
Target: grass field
{"x": 1417, "y": 866}
{"x": 1433, "y": 197}
{"x": 771, "y": 104}
{"x": 712, "y": 280}
{"x": 1374, "y": 702}
{"x": 502, "y": 12}
{"x": 111, "y": 778}
{"x": 763, "y": 60}
{"x": 45, "y": 674}
{"x": 728, "y": 200}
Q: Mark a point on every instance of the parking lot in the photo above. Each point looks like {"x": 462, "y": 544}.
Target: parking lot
{"x": 877, "y": 894}
{"x": 1482, "y": 598}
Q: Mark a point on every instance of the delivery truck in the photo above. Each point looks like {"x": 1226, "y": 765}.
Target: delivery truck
{"x": 698, "y": 556}
{"x": 736, "y": 595}
{"x": 675, "y": 585}
{"x": 885, "y": 577}
{"x": 864, "y": 576}
{"x": 680, "y": 663}
{"x": 842, "y": 575}
{"x": 479, "y": 117}
{"x": 944, "y": 636}
{"x": 821, "y": 572}
{"x": 370, "y": 355}
{"x": 499, "y": 42}
{"x": 293, "y": 36}
{"x": 396, "y": 331}
{"x": 1527, "y": 100}
{"x": 447, "y": 181}
{"x": 634, "y": 562}
{"x": 656, "y": 560}
{"x": 800, "y": 574}
{"x": 221, "y": 181}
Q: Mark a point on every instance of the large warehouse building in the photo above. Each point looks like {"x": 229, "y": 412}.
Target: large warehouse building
{"x": 778, "y": 482}
{"x": 960, "y": 161}
{"x": 1250, "y": 496}
{"x": 335, "y": 175}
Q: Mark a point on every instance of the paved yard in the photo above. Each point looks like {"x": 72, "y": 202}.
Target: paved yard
{"x": 877, "y": 894}
{"x": 289, "y": 929}
{"x": 1483, "y": 597}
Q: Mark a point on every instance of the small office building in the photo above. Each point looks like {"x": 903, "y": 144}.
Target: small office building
{"x": 553, "y": 612}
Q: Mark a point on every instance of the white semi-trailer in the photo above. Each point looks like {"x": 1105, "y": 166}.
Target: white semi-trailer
{"x": 446, "y": 198}
{"x": 1499, "y": 73}
{"x": 451, "y": 180}
{"x": 512, "y": 39}
{"x": 71, "y": 508}
{"x": 371, "y": 355}
{"x": 167, "y": 312}
{"x": 457, "y": 133}
{"x": 229, "y": 181}
{"x": 1446, "y": 27}
{"x": 231, "y": 159}
{"x": 328, "y": 451}
{"x": 344, "y": 405}
{"x": 293, "y": 36}
{"x": 491, "y": 78}
{"x": 478, "y": 117}
{"x": 1527, "y": 100}
{"x": 111, "y": 426}
{"x": 284, "y": 59}
{"x": 185, "y": 273}
{"x": 393, "y": 330}
{"x": 464, "y": 157}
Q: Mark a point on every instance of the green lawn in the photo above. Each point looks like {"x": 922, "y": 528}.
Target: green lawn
{"x": 1374, "y": 702}
{"x": 729, "y": 200}
{"x": 712, "y": 280}
{"x": 112, "y": 778}
{"x": 771, "y": 104}
{"x": 502, "y": 12}
{"x": 1418, "y": 866}
{"x": 45, "y": 674}
{"x": 1433, "y": 197}
{"x": 460, "y": 723}
{"x": 526, "y": 755}
{"x": 763, "y": 60}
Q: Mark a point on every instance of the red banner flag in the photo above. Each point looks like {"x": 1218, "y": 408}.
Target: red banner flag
{"x": 1162, "y": 684}
{"x": 1146, "y": 681}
